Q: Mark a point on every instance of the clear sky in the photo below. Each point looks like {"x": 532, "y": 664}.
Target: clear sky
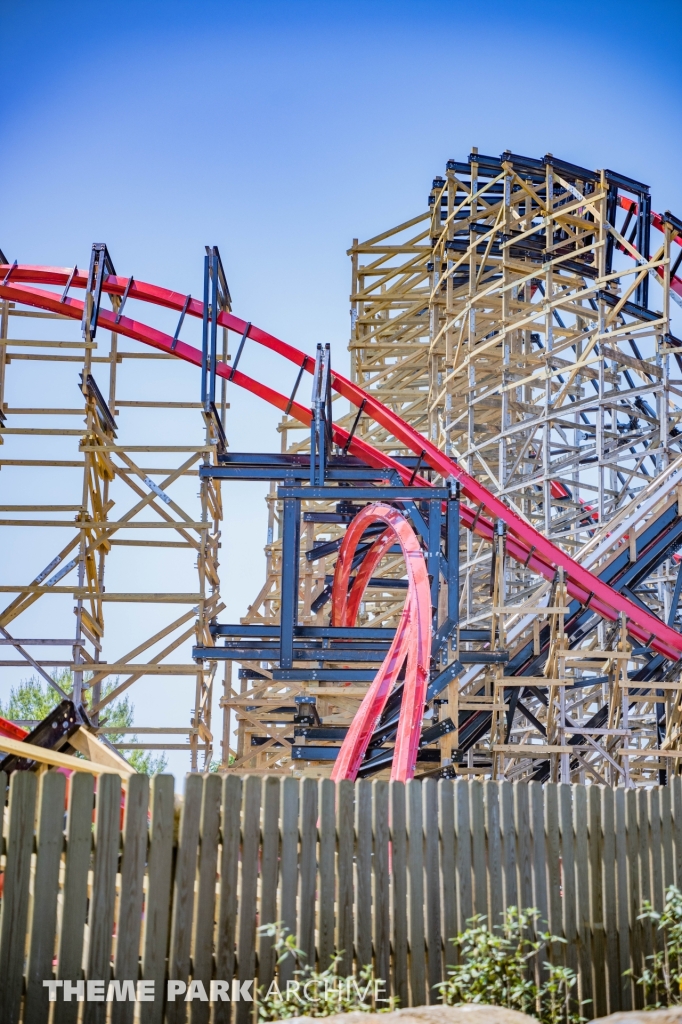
{"x": 280, "y": 131}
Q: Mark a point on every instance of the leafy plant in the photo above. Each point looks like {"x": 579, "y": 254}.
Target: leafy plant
{"x": 662, "y": 977}
{"x": 314, "y": 993}
{"x": 500, "y": 966}
{"x": 31, "y": 701}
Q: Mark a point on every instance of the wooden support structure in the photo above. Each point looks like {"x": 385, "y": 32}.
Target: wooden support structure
{"x": 523, "y": 323}
{"x": 122, "y": 489}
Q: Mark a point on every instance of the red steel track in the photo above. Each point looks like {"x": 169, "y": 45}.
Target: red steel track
{"x": 411, "y": 643}
{"x": 524, "y": 543}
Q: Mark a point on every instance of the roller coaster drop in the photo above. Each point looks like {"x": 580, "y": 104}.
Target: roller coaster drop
{"x": 487, "y": 349}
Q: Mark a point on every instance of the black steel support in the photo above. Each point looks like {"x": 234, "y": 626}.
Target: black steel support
{"x": 675, "y": 603}
{"x": 216, "y": 299}
{"x": 452, "y": 551}
{"x": 450, "y": 564}
{"x": 433, "y": 554}
{"x": 331, "y": 654}
{"x": 611, "y": 211}
{"x": 321, "y": 424}
{"x": 291, "y": 530}
{"x": 100, "y": 266}
{"x": 643, "y": 245}
{"x": 205, "y": 334}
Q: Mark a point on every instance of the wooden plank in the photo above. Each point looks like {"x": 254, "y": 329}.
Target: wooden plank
{"x": 227, "y": 904}
{"x": 202, "y": 951}
{"x": 596, "y": 868}
{"x": 158, "y": 898}
{"x": 524, "y": 846}
{"x": 308, "y": 870}
{"x": 75, "y": 891}
{"x": 415, "y": 868}
{"x": 622, "y": 902}
{"x": 479, "y": 866}
{"x": 665, "y": 796}
{"x": 568, "y": 888}
{"x": 15, "y": 896}
{"x": 103, "y": 893}
{"x": 655, "y": 848}
{"x": 363, "y": 873}
{"x": 398, "y": 822}
{"x": 537, "y": 824}
{"x": 133, "y": 861}
{"x": 246, "y": 953}
{"x": 491, "y": 801}
{"x": 583, "y": 897}
{"x": 345, "y": 814}
{"x": 289, "y": 869}
{"x": 634, "y": 898}
{"x": 644, "y": 859}
{"x": 676, "y": 788}
{"x": 381, "y": 896}
{"x": 464, "y": 874}
{"x": 448, "y": 866}
{"x": 50, "y": 844}
{"x": 553, "y": 854}
{"x": 327, "y": 855}
{"x": 508, "y": 844}
{"x": 268, "y": 878}
{"x": 51, "y": 757}
{"x": 183, "y": 893}
{"x": 434, "y": 942}
{"x": 610, "y": 912}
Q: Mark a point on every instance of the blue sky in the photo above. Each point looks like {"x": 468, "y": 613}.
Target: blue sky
{"x": 280, "y": 131}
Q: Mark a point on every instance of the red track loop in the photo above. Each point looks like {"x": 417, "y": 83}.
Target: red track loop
{"x": 524, "y": 542}
{"x": 411, "y": 643}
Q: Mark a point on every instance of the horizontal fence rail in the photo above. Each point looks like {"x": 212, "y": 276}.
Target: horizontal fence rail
{"x": 103, "y": 886}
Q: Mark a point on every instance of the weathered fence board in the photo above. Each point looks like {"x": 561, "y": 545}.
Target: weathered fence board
{"x": 399, "y": 902}
{"x": 131, "y": 896}
{"x": 248, "y": 907}
{"x": 202, "y": 951}
{"x": 75, "y": 892}
{"x": 50, "y": 844}
{"x": 268, "y": 881}
{"x": 183, "y": 895}
{"x": 381, "y": 895}
{"x": 226, "y": 930}
{"x": 159, "y": 887}
{"x": 386, "y": 872}
{"x": 289, "y": 868}
{"x": 14, "y": 913}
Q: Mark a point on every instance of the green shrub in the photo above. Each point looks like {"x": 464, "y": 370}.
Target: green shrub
{"x": 500, "y": 967}
{"x": 662, "y": 977}
{"x": 314, "y": 993}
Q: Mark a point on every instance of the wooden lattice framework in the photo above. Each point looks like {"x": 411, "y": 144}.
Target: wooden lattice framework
{"x": 523, "y": 322}
{"x": 152, "y": 511}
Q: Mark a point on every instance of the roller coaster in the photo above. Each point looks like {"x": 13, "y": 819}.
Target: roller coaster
{"x": 471, "y": 565}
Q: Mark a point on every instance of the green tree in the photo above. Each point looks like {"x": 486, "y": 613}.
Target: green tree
{"x": 31, "y": 701}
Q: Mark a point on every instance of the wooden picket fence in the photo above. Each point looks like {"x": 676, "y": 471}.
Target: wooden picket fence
{"x": 385, "y": 872}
